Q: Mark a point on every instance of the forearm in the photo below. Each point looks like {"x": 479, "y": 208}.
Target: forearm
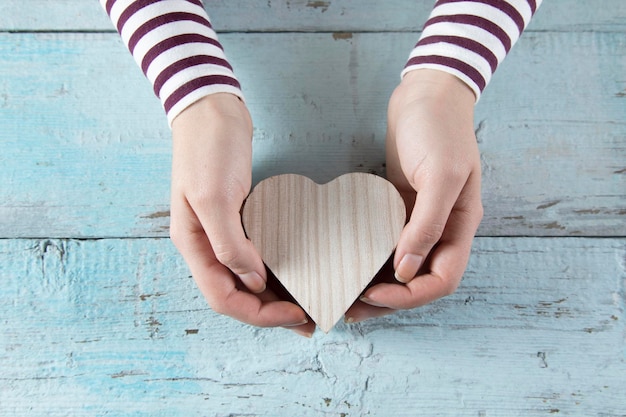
{"x": 470, "y": 38}
{"x": 177, "y": 49}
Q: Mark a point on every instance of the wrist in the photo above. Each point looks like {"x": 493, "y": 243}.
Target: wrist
{"x": 436, "y": 84}
{"x": 212, "y": 109}
{"x": 433, "y": 92}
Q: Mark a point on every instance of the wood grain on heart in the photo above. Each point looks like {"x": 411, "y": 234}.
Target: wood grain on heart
{"x": 326, "y": 242}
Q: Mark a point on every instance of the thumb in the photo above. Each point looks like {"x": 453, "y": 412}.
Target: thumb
{"x": 428, "y": 220}
{"x": 231, "y": 247}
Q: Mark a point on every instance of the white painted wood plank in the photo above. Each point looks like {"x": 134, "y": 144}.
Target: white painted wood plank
{"x": 305, "y": 15}
{"x": 117, "y": 327}
{"x": 86, "y": 149}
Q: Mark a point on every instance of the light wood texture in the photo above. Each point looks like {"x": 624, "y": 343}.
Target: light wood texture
{"x": 325, "y": 242}
{"x": 117, "y": 327}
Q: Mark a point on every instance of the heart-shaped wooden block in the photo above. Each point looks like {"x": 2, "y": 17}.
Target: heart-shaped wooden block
{"x": 326, "y": 242}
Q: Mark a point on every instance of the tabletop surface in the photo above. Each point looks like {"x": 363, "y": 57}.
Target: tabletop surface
{"x": 99, "y": 314}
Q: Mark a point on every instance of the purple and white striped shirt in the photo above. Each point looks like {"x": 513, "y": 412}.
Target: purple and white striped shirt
{"x": 470, "y": 38}
{"x": 176, "y": 47}
{"x": 178, "y": 51}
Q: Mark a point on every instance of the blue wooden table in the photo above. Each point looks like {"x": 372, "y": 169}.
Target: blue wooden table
{"x": 98, "y": 313}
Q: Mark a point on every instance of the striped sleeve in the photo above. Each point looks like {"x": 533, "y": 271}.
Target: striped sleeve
{"x": 470, "y": 38}
{"x": 177, "y": 49}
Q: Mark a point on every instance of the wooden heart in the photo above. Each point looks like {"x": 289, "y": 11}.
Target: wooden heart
{"x": 326, "y": 242}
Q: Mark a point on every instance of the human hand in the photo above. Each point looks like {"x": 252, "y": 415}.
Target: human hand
{"x": 211, "y": 177}
{"x": 433, "y": 160}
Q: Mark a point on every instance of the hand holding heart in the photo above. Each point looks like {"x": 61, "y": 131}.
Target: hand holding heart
{"x": 432, "y": 158}
{"x": 211, "y": 177}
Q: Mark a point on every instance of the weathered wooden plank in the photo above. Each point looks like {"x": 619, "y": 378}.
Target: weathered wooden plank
{"x": 117, "y": 327}
{"x": 86, "y": 149}
{"x": 305, "y": 15}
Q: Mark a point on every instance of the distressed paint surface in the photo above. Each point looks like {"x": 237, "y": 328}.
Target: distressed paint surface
{"x": 116, "y": 326}
{"x": 107, "y": 326}
{"x": 76, "y": 109}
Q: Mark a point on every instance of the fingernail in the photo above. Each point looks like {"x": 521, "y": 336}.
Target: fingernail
{"x": 303, "y": 333}
{"x": 371, "y": 302}
{"x": 349, "y": 320}
{"x": 300, "y": 323}
{"x": 407, "y": 268}
{"x": 253, "y": 281}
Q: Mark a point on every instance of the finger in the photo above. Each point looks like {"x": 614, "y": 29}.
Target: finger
{"x": 275, "y": 291}
{"x": 360, "y": 311}
{"x": 217, "y": 283}
{"x": 446, "y": 266}
{"x": 419, "y": 291}
{"x": 221, "y": 220}
{"x": 430, "y": 214}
